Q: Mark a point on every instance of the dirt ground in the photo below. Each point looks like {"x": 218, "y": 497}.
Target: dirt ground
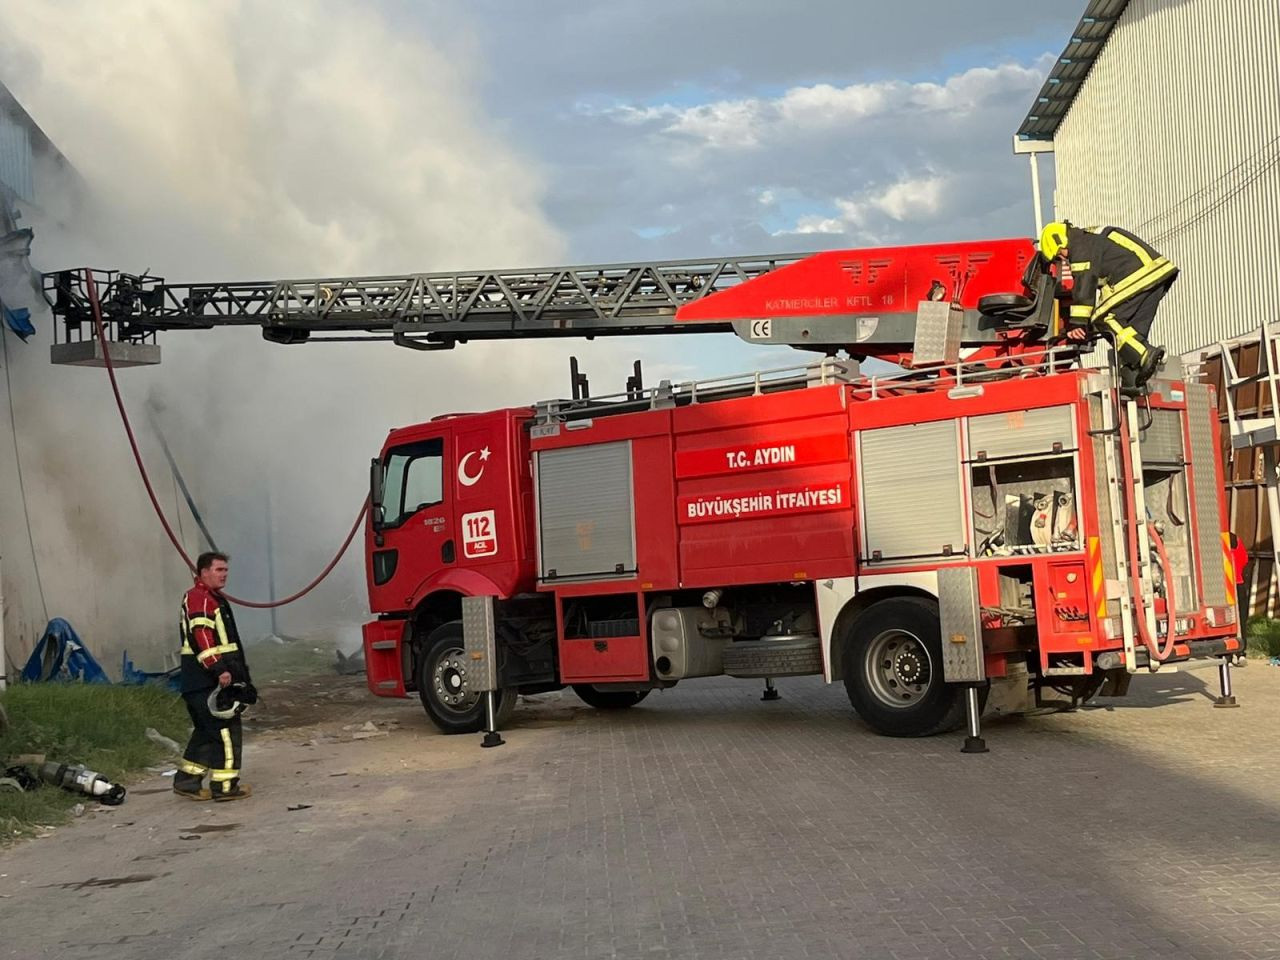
{"x": 704, "y": 824}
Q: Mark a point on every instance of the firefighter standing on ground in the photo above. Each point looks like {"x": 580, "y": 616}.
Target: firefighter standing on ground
{"x": 213, "y": 665}
{"x": 1116, "y": 281}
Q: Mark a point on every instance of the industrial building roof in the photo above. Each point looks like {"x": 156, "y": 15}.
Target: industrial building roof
{"x": 1073, "y": 66}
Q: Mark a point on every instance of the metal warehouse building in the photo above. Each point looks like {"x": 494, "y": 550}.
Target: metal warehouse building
{"x": 1163, "y": 117}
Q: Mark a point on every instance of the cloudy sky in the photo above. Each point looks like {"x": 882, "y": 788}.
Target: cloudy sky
{"x": 243, "y": 139}
{"x": 679, "y": 129}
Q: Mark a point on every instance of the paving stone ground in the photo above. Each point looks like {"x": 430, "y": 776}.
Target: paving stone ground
{"x": 702, "y": 824}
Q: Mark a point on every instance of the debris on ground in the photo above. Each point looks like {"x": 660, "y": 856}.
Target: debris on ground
{"x": 19, "y": 777}
{"x": 349, "y": 666}
{"x": 278, "y": 639}
{"x": 364, "y": 731}
{"x": 553, "y": 696}
{"x": 78, "y": 810}
{"x": 300, "y": 806}
{"x": 155, "y": 736}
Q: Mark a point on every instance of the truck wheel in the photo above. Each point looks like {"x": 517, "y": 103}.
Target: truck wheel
{"x": 608, "y": 699}
{"x": 442, "y": 684}
{"x": 782, "y": 657}
{"x": 893, "y": 670}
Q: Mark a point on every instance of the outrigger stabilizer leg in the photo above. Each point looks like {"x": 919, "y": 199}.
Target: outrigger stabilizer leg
{"x": 973, "y": 743}
{"x": 491, "y": 736}
{"x": 1227, "y": 698}
{"x": 770, "y": 691}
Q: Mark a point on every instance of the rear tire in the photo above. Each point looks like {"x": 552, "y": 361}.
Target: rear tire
{"x": 893, "y": 670}
{"x": 442, "y": 685}
{"x": 608, "y": 699}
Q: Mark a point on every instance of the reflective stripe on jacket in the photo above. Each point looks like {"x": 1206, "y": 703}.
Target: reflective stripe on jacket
{"x": 1111, "y": 266}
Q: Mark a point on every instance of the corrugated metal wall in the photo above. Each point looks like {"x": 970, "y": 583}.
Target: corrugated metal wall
{"x": 1176, "y": 136}
{"x": 15, "y": 158}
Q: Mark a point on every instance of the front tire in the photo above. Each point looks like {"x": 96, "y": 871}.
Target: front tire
{"x": 893, "y": 669}
{"x": 442, "y": 684}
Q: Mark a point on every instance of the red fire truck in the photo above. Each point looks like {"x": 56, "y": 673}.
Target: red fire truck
{"x": 912, "y": 534}
{"x": 986, "y": 507}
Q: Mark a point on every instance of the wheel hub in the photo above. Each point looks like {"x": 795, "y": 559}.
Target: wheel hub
{"x": 908, "y": 667}
{"x": 898, "y": 668}
{"x": 449, "y": 681}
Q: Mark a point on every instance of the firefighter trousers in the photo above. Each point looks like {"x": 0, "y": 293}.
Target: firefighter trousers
{"x": 214, "y": 749}
{"x": 1128, "y": 326}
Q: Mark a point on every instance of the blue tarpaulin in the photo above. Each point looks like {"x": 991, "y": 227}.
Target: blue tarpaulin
{"x": 19, "y": 320}
{"x": 61, "y": 656}
{"x": 132, "y": 676}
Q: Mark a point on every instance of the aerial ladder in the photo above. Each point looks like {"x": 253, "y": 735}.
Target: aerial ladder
{"x": 919, "y": 304}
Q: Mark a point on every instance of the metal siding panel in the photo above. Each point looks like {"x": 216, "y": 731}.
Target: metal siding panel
{"x": 912, "y": 505}
{"x": 938, "y": 330}
{"x": 585, "y": 511}
{"x": 961, "y": 625}
{"x": 1196, "y": 170}
{"x": 1162, "y": 441}
{"x": 15, "y": 158}
{"x": 1021, "y": 433}
{"x": 480, "y": 642}
{"x": 1103, "y": 489}
{"x": 1209, "y": 519}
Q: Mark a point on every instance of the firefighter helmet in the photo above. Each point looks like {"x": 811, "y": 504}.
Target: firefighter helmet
{"x": 1053, "y": 238}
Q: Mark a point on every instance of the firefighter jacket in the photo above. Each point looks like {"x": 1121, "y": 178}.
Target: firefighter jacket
{"x": 210, "y": 641}
{"x": 1109, "y": 267}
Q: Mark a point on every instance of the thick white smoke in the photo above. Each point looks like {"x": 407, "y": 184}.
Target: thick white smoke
{"x": 244, "y": 139}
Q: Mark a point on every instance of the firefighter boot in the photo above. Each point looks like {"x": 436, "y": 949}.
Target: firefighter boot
{"x": 241, "y": 792}
{"x": 1149, "y": 364}
{"x": 1129, "y": 382}
{"x": 188, "y": 780}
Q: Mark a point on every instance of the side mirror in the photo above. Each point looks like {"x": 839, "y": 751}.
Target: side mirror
{"x": 375, "y": 492}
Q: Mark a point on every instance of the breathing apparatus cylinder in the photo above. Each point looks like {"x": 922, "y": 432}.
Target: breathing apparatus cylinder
{"x": 80, "y": 779}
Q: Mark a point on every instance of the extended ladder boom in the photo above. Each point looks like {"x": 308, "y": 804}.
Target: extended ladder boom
{"x": 441, "y": 308}
{"x": 924, "y": 302}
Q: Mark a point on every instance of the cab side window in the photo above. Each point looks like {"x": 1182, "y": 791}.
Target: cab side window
{"x": 414, "y": 479}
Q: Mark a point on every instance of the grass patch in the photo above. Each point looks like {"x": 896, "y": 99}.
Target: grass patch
{"x": 301, "y": 657}
{"x": 101, "y": 727}
{"x": 1262, "y": 637}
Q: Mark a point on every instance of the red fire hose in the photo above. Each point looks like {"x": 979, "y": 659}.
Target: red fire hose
{"x": 1170, "y": 606}
{"x": 1152, "y": 644}
{"x": 92, "y": 290}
